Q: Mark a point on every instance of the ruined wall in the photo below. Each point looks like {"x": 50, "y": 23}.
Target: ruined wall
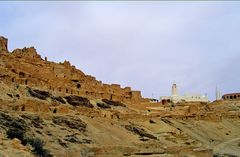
{"x": 3, "y": 45}
{"x": 26, "y": 67}
{"x": 231, "y": 96}
{"x": 27, "y": 53}
{"x": 135, "y": 96}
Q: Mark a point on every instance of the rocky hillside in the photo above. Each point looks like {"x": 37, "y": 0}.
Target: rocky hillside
{"x": 53, "y": 109}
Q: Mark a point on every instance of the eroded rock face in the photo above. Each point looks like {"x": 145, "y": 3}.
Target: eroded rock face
{"x": 139, "y": 131}
{"x": 78, "y": 101}
{"x": 27, "y": 53}
{"x": 3, "y": 45}
{"x": 7, "y": 121}
{"x": 59, "y": 99}
{"x": 103, "y": 105}
{"x": 70, "y": 122}
{"x": 36, "y": 121}
{"x": 39, "y": 94}
{"x": 113, "y": 103}
{"x": 74, "y": 139}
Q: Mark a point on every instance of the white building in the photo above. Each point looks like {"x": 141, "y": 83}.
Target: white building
{"x": 175, "y": 98}
{"x": 218, "y": 94}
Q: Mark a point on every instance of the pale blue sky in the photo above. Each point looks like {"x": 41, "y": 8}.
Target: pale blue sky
{"x": 145, "y": 45}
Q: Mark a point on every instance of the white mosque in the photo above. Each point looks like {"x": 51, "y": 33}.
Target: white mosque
{"x": 175, "y": 98}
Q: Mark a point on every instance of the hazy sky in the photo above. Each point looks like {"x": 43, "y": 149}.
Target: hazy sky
{"x": 145, "y": 45}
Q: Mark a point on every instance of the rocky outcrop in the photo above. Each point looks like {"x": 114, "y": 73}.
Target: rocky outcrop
{"x": 78, "y": 101}
{"x": 103, "y": 105}
{"x": 27, "y": 53}
{"x": 3, "y": 45}
{"x": 35, "y": 120}
{"x": 59, "y": 99}
{"x": 113, "y": 103}
{"x": 10, "y": 122}
{"x": 74, "y": 139}
{"x": 70, "y": 122}
{"x": 139, "y": 131}
{"x": 39, "y": 93}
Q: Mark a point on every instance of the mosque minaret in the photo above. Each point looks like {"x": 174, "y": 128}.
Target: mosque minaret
{"x": 175, "y": 97}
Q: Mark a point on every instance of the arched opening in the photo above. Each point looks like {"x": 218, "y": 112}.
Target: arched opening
{"x": 55, "y": 110}
{"x": 26, "y": 82}
{"x": 66, "y": 90}
{"x": 78, "y": 86}
{"x": 235, "y": 96}
{"x": 231, "y": 97}
{"x": 12, "y": 79}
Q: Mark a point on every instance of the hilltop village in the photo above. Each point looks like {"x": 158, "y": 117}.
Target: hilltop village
{"x": 26, "y": 67}
{"x": 53, "y": 109}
